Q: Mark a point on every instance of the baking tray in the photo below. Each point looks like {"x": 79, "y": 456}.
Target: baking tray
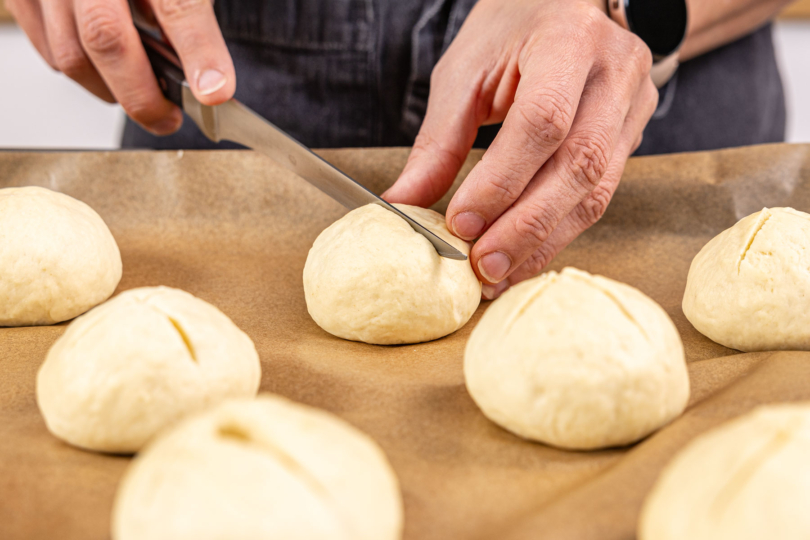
{"x": 233, "y": 229}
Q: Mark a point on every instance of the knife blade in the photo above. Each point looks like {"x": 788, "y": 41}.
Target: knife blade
{"x": 235, "y": 122}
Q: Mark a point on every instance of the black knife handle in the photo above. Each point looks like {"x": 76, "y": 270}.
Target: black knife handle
{"x": 167, "y": 68}
{"x": 165, "y": 62}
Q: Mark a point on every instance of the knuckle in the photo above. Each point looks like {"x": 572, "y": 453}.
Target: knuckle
{"x": 593, "y": 207}
{"x": 588, "y": 161}
{"x": 538, "y": 260}
{"x": 589, "y": 16}
{"x": 535, "y": 225}
{"x": 178, "y": 9}
{"x": 446, "y": 162}
{"x": 71, "y": 60}
{"x": 503, "y": 186}
{"x": 101, "y": 30}
{"x": 641, "y": 53}
{"x": 141, "y": 110}
{"x": 545, "y": 120}
{"x": 627, "y": 57}
{"x": 424, "y": 142}
{"x": 588, "y": 26}
{"x": 630, "y": 46}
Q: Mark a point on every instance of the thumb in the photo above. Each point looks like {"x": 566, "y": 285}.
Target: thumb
{"x": 192, "y": 28}
{"x": 444, "y": 140}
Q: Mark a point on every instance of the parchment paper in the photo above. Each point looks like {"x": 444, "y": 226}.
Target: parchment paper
{"x": 234, "y": 230}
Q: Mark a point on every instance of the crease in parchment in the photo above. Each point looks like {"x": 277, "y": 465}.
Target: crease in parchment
{"x": 764, "y": 216}
{"x": 237, "y": 434}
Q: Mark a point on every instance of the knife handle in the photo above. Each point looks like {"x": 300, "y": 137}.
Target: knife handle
{"x": 167, "y": 68}
{"x": 164, "y": 60}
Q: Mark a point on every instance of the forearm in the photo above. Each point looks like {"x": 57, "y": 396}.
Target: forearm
{"x": 713, "y": 23}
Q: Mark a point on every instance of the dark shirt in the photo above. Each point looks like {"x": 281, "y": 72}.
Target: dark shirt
{"x": 356, "y": 73}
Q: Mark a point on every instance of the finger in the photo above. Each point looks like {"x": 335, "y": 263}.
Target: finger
{"x": 109, "y": 37}
{"x": 28, "y": 14}
{"x": 445, "y": 137}
{"x": 68, "y": 54}
{"x": 562, "y": 183}
{"x": 583, "y": 216}
{"x": 590, "y": 210}
{"x": 504, "y": 95}
{"x": 192, "y": 28}
{"x": 538, "y": 122}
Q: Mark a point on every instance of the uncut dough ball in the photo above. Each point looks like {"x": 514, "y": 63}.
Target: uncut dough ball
{"x": 139, "y": 363}
{"x": 749, "y": 287}
{"x": 57, "y": 257}
{"x": 370, "y": 277}
{"x": 747, "y": 479}
{"x": 577, "y": 361}
{"x": 259, "y": 469}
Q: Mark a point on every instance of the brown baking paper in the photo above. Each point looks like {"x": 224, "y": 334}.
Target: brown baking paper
{"x": 233, "y": 229}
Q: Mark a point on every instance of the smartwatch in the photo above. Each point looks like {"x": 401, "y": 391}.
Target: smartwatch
{"x": 661, "y": 24}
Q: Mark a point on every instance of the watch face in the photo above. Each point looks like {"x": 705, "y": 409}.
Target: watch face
{"x": 661, "y": 24}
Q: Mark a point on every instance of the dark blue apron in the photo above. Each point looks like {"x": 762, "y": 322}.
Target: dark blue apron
{"x": 356, "y": 73}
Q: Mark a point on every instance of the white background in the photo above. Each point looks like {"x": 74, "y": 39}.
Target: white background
{"x": 43, "y": 109}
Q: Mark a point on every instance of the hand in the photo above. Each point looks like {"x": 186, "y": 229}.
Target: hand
{"x": 95, "y": 43}
{"x": 573, "y": 91}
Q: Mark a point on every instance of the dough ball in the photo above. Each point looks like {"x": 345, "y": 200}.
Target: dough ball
{"x": 139, "y": 363}
{"x": 57, "y": 257}
{"x": 370, "y": 277}
{"x": 259, "y": 469}
{"x": 577, "y": 361}
{"x": 747, "y": 479}
{"x": 749, "y": 287}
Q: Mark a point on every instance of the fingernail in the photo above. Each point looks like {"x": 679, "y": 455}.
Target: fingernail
{"x": 209, "y": 81}
{"x": 468, "y": 225}
{"x": 491, "y": 292}
{"x": 494, "y": 266}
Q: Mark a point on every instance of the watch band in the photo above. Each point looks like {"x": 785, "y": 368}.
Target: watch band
{"x": 662, "y": 24}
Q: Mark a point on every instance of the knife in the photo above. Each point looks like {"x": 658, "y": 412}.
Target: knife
{"x": 235, "y": 122}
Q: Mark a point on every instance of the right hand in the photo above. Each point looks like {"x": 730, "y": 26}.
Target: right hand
{"x": 95, "y": 43}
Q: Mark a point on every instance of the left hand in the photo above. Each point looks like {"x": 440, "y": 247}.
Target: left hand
{"x": 573, "y": 91}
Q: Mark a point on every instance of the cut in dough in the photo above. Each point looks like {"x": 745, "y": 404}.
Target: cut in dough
{"x": 139, "y": 363}
{"x": 258, "y": 469}
{"x": 370, "y": 277}
{"x": 577, "y": 361}
{"x": 747, "y": 479}
{"x": 57, "y": 257}
{"x": 749, "y": 287}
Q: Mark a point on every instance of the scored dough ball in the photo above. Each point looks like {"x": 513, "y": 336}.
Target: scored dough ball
{"x": 264, "y": 468}
{"x": 747, "y": 479}
{"x": 370, "y": 277}
{"x": 749, "y": 287}
{"x": 139, "y": 363}
{"x": 577, "y": 361}
{"x": 57, "y": 257}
